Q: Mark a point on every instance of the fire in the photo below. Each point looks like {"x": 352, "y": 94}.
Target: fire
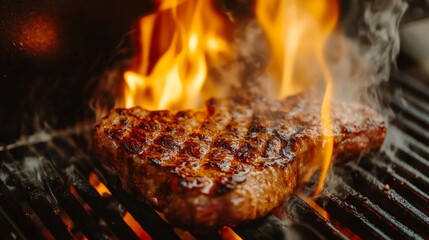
{"x": 183, "y": 38}
{"x": 176, "y": 44}
{"x": 316, "y": 207}
{"x": 297, "y": 32}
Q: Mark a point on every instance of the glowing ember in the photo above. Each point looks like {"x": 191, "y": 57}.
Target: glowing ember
{"x": 228, "y": 234}
{"x": 182, "y": 37}
{"x": 322, "y": 212}
{"x": 135, "y": 226}
{"x": 99, "y": 186}
{"x": 128, "y": 218}
{"x": 297, "y": 32}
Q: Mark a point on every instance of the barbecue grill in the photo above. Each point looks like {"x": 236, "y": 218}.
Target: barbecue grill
{"x": 52, "y": 187}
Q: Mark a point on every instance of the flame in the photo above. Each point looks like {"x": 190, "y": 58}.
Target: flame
{"x": 176, "y": 44}
{"x": 316, "y": 207}
{"x": 297, "y": 32}
{"x": 183, "y": 38}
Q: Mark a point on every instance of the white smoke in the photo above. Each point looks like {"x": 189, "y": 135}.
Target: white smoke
{"x": 372, "y": 30}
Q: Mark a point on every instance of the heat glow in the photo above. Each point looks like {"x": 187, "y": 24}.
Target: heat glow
{"x": 297, "y": 32}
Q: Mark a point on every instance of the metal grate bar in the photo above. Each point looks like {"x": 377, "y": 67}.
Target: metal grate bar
{"x": 417, "y": 131}
{"x": 404, "y": 80}
{"x": 405, "y": 188}
{"x": 43, "y": 208}
{"x": 376, "y": 215}
{"x": 385, "y": 197}
{"x": 300, "y": 211}
{"x": 389, "y": 199}
{"x": 350, "y": 217}
{"x": 412, "y": 174}
{"x": 269, "y": 227}
{"x": 144, "y": 214}
{"x": 60, "y": 190}
{"x": 413, "y": 159}
{"x": 410, "y": 111}
{"x": 74, "y": 209}
{"x": 14, "y": 212}
{"x": 418, "y": 103}
{"x": 8, "y": 230}
{"x": 88, "y": 193}
{"x": 99, "y": 205}
{"x": 408, "y": 150}
{"x": 420, "y": 151}
{"x": 151, "y": 222}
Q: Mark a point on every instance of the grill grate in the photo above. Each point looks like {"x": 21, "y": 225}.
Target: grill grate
{"x": 52, "y": 188}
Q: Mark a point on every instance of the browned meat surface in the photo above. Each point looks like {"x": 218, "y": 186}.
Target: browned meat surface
{"x": 234, "y": 161}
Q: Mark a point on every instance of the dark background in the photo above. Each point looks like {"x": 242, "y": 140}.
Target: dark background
{"x": 49, "y": 52}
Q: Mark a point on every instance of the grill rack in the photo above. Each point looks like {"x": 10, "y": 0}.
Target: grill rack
{"x": 382, "y": 196}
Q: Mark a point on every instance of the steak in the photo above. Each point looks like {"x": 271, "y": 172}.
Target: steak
{"x": 234, "y": 161}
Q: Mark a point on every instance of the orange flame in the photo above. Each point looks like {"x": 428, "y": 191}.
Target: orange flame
{"x": 178, "y": 42}
{"x": 297, "y": 32}
{"x": 316, "y": 207}
{"x": 182, "y": 37}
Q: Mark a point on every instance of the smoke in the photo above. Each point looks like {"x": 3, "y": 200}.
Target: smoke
{"x": 32, "y": 170}
{"x": 372, "y": 28}
{"x": 372, "y": 31}
{"x": 106, "y": 91}
{"x": 360, "y": 53}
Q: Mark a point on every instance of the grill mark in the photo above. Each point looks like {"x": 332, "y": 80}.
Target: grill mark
{"x": 155, "y": 136}
{"x": 268, "y": 137}
{"x": 219, "y": 133}
{"x": 237, "y": 124}
{"x": 272, "y": 130}
{"x": 165, "y": 144}
{"x": 287, "y": 151}
{"x": 229, "y": 132}
{"x": 283, "y": 141}
{"x": 203, "y": 128}
{"x": 190, "y": 142}
{"x": 260, "y": 133}
{"x": 225, "y": 183}
{"x": 242, "y": 154}
{"x": 289, "y": 139}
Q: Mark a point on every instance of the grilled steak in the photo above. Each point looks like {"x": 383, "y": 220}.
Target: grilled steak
{"x": 234, "y": 161}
